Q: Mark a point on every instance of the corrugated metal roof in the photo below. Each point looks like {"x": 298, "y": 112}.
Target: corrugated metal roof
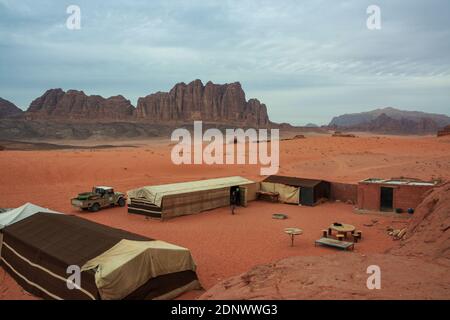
{"x": 400, "y": 181}
{"x": 293, "y": 181}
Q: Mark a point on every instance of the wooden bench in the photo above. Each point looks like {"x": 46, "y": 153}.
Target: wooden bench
{"x": 344, "y": 245}
{"x": 271, "y": 196}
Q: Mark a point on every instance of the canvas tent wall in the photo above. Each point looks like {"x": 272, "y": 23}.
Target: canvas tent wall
{"x": 287, "y": 194}
{"x": 115, "y": 264}
{"x": 309, "y": 191}
{"x": 177, "y": 199}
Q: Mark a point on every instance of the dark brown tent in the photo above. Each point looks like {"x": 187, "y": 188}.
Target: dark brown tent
{"x": 311, "y": 190}
{"x": 38, "y": 250}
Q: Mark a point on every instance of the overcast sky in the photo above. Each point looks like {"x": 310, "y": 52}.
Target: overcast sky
{"x": 306, "y": 60}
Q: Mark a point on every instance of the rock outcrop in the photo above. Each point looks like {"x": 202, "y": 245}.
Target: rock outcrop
{"x": 8, "y": 109}
{"x": 76, "y": 105}
{"x": 444, "y": 131}
{"x": 428, "y": 234}
{"x": 210, "y": 103}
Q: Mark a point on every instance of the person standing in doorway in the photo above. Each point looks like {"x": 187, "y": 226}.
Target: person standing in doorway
{"x": 234, "y": 199}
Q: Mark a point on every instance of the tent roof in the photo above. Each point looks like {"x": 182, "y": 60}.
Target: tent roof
{"x": 293, "y": 181}
{"x": 151, "y": 258}
{"x": 122, "y": 261}
{"x": 15, "y": 215}
{"x": 156, "y": 193}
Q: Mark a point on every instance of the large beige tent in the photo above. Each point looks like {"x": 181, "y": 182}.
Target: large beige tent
{"x": 171, "y": 200}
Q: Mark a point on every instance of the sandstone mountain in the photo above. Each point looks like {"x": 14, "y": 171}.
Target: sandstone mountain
{"x": 355, "y": 119}
{"x": 76, "y": 105}
{"x": 213, "y": 103}
{"x": 385, "y": 124}
{"x": 8, "y": 109}
{"x": 210, "y": 103}
{"x": 58, "y": 114}
{"x": 391, "y": 121}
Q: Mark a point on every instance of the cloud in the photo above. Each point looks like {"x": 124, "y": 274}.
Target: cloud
{"x": 311, "y": 59}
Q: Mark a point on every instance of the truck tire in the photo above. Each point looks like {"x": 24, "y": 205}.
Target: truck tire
{"x": 121, "y": 202}
{"x": 95, "y": 207}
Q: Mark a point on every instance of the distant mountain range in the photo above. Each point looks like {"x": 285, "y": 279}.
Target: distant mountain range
{"x": 74, "y": 115}
{"x": 185, "y": 103}
{"x": 391, "y": 120}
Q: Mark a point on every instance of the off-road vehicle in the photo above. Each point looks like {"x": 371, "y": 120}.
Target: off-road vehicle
{"x": 99, "y": 197}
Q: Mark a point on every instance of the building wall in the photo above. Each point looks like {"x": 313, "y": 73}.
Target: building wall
{"x": 409, "y": 196}
{"x": 198, "y": 201}
{"x": 344, "y": 192}
{"x": 405, "y": 196}
{"x": 252, "y": 189}
{"x": 307, "y": 196}
{"x": 369, "y": 196}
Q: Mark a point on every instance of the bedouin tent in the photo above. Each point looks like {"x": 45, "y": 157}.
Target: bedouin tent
{"x": 297, "y": 190}
{"x": 15, "y": 215}
{"x": 177, "y": 199}
{"x": 115, "y": 264}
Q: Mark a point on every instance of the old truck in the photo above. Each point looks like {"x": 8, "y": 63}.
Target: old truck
{"x": 99, "y": 197}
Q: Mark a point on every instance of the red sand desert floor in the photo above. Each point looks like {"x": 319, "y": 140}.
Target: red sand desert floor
{"x": 223, "y": 245}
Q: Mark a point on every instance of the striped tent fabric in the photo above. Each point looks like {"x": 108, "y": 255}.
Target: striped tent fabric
{"x": 184, "y": 198}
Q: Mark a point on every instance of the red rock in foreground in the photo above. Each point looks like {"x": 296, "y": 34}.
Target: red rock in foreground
{"x": 428, "y": 233}
{"x": 416, "y": 269}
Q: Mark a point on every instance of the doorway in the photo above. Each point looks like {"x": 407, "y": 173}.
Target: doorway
{"x": 386, "y": 199}
{"x": 235, "y": 196}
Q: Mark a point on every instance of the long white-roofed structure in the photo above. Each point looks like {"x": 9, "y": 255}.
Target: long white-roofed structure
{"x": 177, "y": 199}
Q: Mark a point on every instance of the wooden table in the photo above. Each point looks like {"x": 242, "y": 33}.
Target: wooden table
{"x": 344, "y": 228}
{"x": 293, "y": 232}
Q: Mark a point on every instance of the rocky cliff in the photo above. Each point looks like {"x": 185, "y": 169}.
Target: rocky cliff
{"x": 211, "y": 103}
{"x": 8, "y": 109}
{"x": 76, "y": 105}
